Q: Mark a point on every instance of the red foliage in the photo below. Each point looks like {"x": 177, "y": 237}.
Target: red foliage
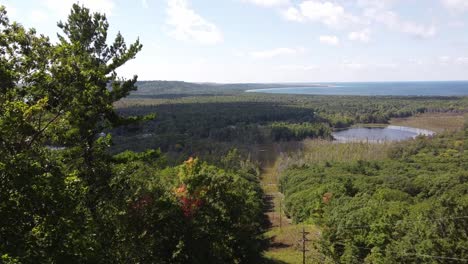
{"x": 190, "y": 205}
{"x": 189, "y": 202}
{"x": 327, "y": 197}
{"x": 181, "y": 190}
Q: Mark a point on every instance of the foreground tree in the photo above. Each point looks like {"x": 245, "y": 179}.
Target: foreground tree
{"x": 57, "y": 95}
{"x": 65, "y": 199}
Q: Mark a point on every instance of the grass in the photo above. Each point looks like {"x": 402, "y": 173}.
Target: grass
{"x": 287, "y": 246}
{"x": 321, "y": 151}
{"x": 437, "y": 122}
{"x": 282, "y": 234}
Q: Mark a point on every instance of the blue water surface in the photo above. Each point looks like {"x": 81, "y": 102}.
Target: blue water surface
{"x": 379, "y": 134}
{"x": 443, "y": 88}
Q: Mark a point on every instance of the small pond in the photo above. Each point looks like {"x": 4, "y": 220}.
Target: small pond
{"x": 379, "y": 134}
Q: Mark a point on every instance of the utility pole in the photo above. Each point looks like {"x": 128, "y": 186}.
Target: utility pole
{"x": 280, "y": 207}
{"x": 304, "y": 240}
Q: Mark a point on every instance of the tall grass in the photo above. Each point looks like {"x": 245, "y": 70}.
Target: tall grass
{"x": 321, "y": 151}
{"x": 437, "y": 122}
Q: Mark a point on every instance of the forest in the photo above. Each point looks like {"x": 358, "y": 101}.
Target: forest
{"x": 403, "y": 208}
{"x": 65, "y": 198}
{"x": 210, "y": 126}
{"x": 96, "y": 168}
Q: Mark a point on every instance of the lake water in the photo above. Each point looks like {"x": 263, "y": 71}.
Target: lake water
{"x": 379, "y": 134}
{"x": 448, "y": 88}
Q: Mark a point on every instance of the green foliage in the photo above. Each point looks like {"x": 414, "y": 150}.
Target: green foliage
{"x": 75, "y": 202}
{"x": 400, "y": 210}
{"x": 41, "y": 203}
{"x": 190, "y": 124}
{"x": 224, "y": 214}
{"x": 64, "y": 198}
{"x": 287, "y": 132}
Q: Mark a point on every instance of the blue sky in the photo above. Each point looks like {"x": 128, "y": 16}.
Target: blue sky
{"x": 279, "y": 40}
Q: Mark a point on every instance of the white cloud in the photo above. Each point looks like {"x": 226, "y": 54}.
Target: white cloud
{"x": 268, "y": 54}
{"x": 456, "y": 5}
{"x": 293, "y": 14}
{"x": 332, "y": 14}
{"x": 387, "y": 65}
{"x": 299, "y": 67}
{"x": 330, "y": 40}
{"x": 448, "y": 61}
{"x": 388, "y": 18}
{"x": 416, "y": 61}
{"x": 187, "y": 25}
{"x": 462, "y": 60}
{"x": 363, "y": 35}
{"x": 444, "y": 59}
{"x": 268, "y": 3}
{"x": 356, "y": 65}
{"x": 456, "y": 24}
{"x": 377, "y": 4}
{"x": 328, "y": 13}
{"x": 144, "y": 3}
{"x": 353, "y": 65}
{"x": 38, "y": 16}
{"x": 417, "y": 30}
{"x": 392, "y": 21}
{"x": 62, "y": 7}
{"x": 238, "y": 53}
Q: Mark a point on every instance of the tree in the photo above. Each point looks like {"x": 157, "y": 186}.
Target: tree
{"x": 57, "y": 95}
{"x": 66, "y": 199}
{"x": 223, "y": 216}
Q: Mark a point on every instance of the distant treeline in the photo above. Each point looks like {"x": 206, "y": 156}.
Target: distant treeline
{"x": 176, "y": 89}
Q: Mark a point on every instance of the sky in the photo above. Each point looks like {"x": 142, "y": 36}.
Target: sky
{"x": 278, "y": 40}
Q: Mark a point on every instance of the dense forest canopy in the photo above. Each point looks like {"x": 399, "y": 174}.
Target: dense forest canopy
{"x": 192, "y": 124}
{"x": 402, "y": 209}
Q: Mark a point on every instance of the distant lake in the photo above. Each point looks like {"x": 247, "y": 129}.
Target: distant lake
{"x": 379, "y": 134}
{"x": 449, "y": 88}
